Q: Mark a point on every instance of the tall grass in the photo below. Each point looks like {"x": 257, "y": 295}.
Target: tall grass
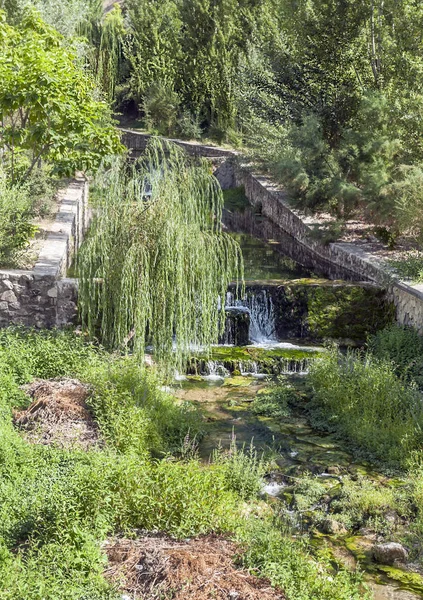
{"x": 57, "y": 506}
{"x": 403, "y": 347}
{"x": 362, "y": 399}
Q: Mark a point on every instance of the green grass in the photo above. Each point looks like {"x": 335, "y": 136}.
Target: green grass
{"x": 361, "y": 398}
{"x": 403, "y": 347}
{"x": 57, "y": 506}
{"x": 410, "y": 267}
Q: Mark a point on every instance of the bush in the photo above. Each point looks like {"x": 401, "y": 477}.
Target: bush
{"x": 273, "y": 553}
{"x": 243, "y": 469}
{"x": 274, "y": 402}
{"x": 410, "y": 266}
{"x": 16, "y": 212}
{"x": 362, "y": 399}
{"x": 403, "y": 347}
{"x": 188, "y": 126}
{"x": 161, "y": 108}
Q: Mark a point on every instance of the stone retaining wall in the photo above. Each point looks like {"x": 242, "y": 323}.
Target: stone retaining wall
{"x": 347, "y": 260}
{"x": 42, "y": 296}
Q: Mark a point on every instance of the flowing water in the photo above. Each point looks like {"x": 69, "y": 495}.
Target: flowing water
{"x": 232, "y": 377}
{"x": 295, "y": 448}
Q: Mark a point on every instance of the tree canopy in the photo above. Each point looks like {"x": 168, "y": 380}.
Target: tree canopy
{"x": 48, "y": 104}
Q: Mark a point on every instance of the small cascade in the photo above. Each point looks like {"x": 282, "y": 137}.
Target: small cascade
{"x": 215, "y": 370}
{"x": 288, "y": 366}
{"x": 249, "y": 367}
{"x": 260, "y": 307}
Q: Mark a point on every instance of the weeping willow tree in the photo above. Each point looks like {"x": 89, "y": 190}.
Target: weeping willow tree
{"x": 156, "y": 260}
{"x": 105, "y": 34}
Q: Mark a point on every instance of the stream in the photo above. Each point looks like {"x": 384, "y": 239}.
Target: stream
{"x": 226, "y": 384}
{"x": 295, "y": 449}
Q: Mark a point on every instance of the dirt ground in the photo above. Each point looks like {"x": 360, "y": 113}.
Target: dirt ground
{"x": 153, "y": 568}
{"x": 58, "y": 415}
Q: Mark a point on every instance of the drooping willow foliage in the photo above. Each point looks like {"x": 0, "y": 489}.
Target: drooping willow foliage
{"x": 104, "y": 34}
{"x": 156, "y": 260}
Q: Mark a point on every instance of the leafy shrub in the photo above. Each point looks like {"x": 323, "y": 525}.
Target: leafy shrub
{"x": 134, "y": 414}
{"x": 42, "y": 188}
{"x": 274, "y": 402}
{"x": 161, "y": 108}
{"x": 243, "y": 469}
{"x": 410, "y": 266}
{"x": 362, "y": 399}
{"x": 188, "y": 126}
{"x": 403, "y": 347}
{"x": 16, "y": 212}
{"x": 308, "y": 491}
{"x": 274, "y": 554}
{"x": 362, "y": 502}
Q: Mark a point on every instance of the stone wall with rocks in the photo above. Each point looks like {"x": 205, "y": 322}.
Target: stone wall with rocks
{"x": 42, "y": 296}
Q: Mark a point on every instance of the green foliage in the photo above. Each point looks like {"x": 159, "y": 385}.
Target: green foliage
{"x": 47, "y": 103}
{"x": 362, "y": 399}
{"x": 16, "y": 211}
{"x": 188, "y": 126}
{"x": 133, "y": 414}
{"x": 403, "y": 347}
{"x": 409, "y": 267}
{"x": 176, "y": 264}
{"x": 56, "y": 505}
{"x": 161, "y": 108}
{"x": 362, "y": 503}
{"x": 193, "y": 48}
{"x": 243, "y": 469}
{"x": 308, "y": 491}
{"x": 274, "y": 402}
{"x": 288, "y": 564}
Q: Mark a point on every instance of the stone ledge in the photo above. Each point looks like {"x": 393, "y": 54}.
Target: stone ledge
{"x": 41, "y": 297}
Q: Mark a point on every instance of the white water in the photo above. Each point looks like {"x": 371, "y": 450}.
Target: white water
{"x": 215, "y": 371}
{"x": 262, "y": 315}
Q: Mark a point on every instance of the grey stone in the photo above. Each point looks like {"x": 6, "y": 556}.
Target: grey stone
{"x": 388, "y": 554}
{"x": 8, "y": 296}
{"x": 332, "y": 527}
{"x": 4, "y": 306}
{"x": 7, "y": 284}
{"x": 52, "y": 293}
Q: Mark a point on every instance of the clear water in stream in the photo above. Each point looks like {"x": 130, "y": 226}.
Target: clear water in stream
{"x": 295, "y": 448}
{"x": 263, "y": 260}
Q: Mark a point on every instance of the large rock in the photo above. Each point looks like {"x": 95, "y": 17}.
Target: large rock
{"x": 237, "y": 326}
{"x": 389, "y": 553}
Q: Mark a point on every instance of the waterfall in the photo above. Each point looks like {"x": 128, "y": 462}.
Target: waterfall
{"x": 215, "y": 370}
{"x": 262, "y": 315}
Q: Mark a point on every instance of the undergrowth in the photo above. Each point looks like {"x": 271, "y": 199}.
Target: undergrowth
{"x": 361, "y": 399}
{"x": 58, "y": 505}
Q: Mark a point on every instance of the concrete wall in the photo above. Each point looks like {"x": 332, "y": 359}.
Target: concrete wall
{"x": 43, "y": 297}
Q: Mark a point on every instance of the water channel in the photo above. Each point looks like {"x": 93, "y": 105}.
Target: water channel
{"x": 225, "y": 386}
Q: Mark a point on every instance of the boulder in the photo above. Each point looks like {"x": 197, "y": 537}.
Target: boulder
{"x": 389, "y": 553}
{"x": 332, "y": 527}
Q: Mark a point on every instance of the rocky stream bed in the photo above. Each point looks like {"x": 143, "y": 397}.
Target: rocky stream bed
{"x": 318, "y": 486}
